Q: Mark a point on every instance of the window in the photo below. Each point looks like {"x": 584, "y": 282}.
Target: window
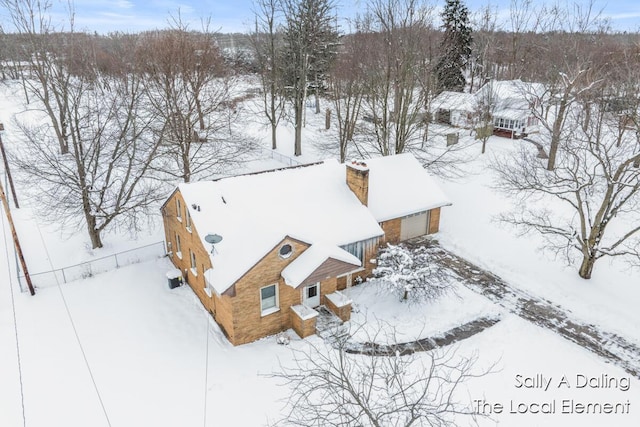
{"x": 188, "y": 221}
{"x": 194, "y": 266}
{"x": 269, "y": 299}
{"x": 178, "y": 246}
{"x": 208, "y": 288}
{"x": 285, "y": 251}
{"x": 312, "y": 291}
{"x": 178, "y": 210}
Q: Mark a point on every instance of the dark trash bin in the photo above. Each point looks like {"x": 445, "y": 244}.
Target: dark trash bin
{"x": 175, "y": 278}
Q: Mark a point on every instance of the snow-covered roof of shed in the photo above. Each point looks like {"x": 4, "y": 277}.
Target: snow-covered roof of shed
{"x": 312, "y": 258}
{"x": 253, "y": 213}
{"x": 454, "y": 101}
{"x": 400, "y": 186}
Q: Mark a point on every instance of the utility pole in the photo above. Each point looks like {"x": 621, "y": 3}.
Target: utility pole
{"x": 14, "y": 234}
{"x": 6, "y": 168}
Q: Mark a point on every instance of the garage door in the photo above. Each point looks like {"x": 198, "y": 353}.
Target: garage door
{"x": 415, "y": 225}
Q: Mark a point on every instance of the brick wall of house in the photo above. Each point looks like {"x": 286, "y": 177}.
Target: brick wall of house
{"x": 219, "y": 306}
{"x": 371, "y": 254}
{"x": 248, "y": 322}
{"x": 189, "y": 241}
{"x": 434, "y": 220}
{"x": 343, "y": 312}
{"x": 358, "y": 181}
{"x": 327, "y": 286}
{"x": 391, "y": 231}
{"x": 303, "y": 327}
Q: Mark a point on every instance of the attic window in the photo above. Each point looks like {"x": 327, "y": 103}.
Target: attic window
{"x": 285, "y": 251}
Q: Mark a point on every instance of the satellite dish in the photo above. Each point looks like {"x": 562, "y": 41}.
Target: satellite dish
{"x": 213, "y": 238}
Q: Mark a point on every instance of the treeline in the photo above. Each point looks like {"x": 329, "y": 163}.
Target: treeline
{"x": 124, "y": 112}
{"x": 117, "y": 120}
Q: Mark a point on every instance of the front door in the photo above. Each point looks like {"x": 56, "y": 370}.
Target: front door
{"x": 311, "y": 296}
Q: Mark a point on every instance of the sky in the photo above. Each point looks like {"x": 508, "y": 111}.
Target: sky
{"x": 104, "y": 16}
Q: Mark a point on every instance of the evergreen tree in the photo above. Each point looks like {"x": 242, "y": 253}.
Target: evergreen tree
{"x": 456, "y": 47}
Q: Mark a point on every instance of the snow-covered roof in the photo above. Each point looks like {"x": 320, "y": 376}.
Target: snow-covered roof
{"x": 512, "y": 94}
{"x": 400, "y": 186}
{"x": 512, "y": 113}
{"x": 454, "y": 101}
{"x": 253, "y": 213}
{"x": 312, "y": 258}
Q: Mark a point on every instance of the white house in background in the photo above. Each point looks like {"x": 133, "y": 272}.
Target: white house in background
{"x": 510, "y": 102}
{"x": 454, "y": 108}
{"x": 262, "y": 250}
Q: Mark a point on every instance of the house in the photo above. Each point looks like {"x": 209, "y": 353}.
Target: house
{"x": 510, "y": 103}
{"x": 262, "y": 250}
{"x": 454, "y": 108}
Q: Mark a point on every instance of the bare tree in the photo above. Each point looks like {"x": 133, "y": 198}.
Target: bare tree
{"x": 567, "y": 92}
{"x": 266, "y": 42}
{"x": 486, "y": 104}
{"x": 589, "y": 204}
{"x": 189, "y": 90}
{"x": 567, "y": 60}
{"x": 331, "y": 387}
{"x": 347, "y": 87}
{"x": 309, "y": 31}
{"x": 394, "y": 99}
{"x": 47, "y": 53}
{"x": 102, "y": 180}
{"x": 484, "y": 41}
{"x": 524, "y": 18}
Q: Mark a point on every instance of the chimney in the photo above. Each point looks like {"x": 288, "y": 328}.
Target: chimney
{"x": 358, "y": 180}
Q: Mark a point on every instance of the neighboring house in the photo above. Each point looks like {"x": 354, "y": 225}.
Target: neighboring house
{"x": 288, "y": 240}
{"x": 511, "y": 103}
{"x": 454, "y": 108}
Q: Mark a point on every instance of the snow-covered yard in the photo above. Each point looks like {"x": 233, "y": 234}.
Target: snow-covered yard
{"x": 123, "y": 349}
{"x": 376, "y": 312}
{"x": 469, "y": 228}
{"x": 146, "y": 346}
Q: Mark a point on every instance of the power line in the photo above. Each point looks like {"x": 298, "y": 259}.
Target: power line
{"x": 206, "y": 372}
{"x": 75, "y": 331}
{"x": 15, "y": 325}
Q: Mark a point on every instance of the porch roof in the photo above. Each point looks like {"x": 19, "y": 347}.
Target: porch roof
{"x": 319, "y": 262}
